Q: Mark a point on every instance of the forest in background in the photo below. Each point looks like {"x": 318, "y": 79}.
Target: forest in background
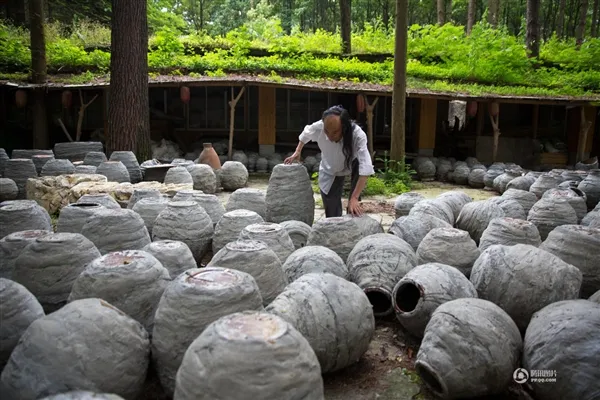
{"x": 468, "y": 46}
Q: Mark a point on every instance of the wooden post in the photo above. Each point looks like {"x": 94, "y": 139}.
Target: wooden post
{"x": 535, "y": 119}
{"x": 81, "y": 114}
{"x": 370, "y": 107}
{"x": 494, "y": 113}
{"x": 584, "y": 128}
{"x": 232, "y": 103}
{"x": 480, "y": 118}
{"x": 427, "y": 126}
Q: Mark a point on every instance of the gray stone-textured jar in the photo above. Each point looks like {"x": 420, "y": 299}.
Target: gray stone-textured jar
{"x": 591, "y": 187}
{"x": 376, "y": 263}
{"x": 187, "y": 222}
{"x": 511, "y": 208}
{"x": 76, "y": 151}
{"x": 262, "y": 165}
{"x": 565, "y": 333}
{"x": 490, "y": 175}
{"x": 549, "y": 213}
{"x": 29, "y": 153}
{"x": 524, "y": 198}
{"x": 189, "y": 304}
{"x": 405, "y": 202}
{"x": 178, "y": 175}
{"x": 501, "y": 181}
{"x": 204, "y": 178}
{"x": 314, "y": 259}
{"x": 11, "y": 247}
{"x": 334, "y": 315}
{"x": 273, "y": 235}
{"x": 416, "y": 296}
{"x": 425, "y": 170}
{"x": 434, "y": 207}
{"x": 508, "y": 232}
{"x": 413, "y": 228}
{"x": 18, "y": 309}
{"x": 592, "y": 219}
{"x": 105, "y": 200}
{"x": 449, "y": 246}
{"x": 250, "y": 343}
{"x": 19, "y": 170}
{"x": 40, "y": 160}
{"x": 521, "y": 183}
{"x": 115, "y": 230}
{"x": 139, "y": 194}
{"x": 233, "y": 175}
{"x": 476, "y": 216}
{"x": 48, "y": 266}
{"x": 131, "y": 280}
{"x": 575, "y": 197}
{"x": 58, "y": 167}
{"x": 130, "y": 162}
{"x": 85, "y": 169}
{"x": 442, "y": 170}
{"x": 149, "y": 208}
{"x": 8, "y": 189}
{"x": 256, "y": 259}
{"x": 290, "y": 195}
{"x": 579, "y": 246}
{"x": 73, "y": 216}
{"x": 595, "y": 297}
{"x": 22, "y": 215}
{"x": 471, "y": 347}
{"x": 230, "y": 226}
{"x": 3, "y": 159}
{"x": 248, "y": 199}
{"x": 341, "y": 234}
{"x": 94, "y": 158}
{"x": 542, "y": 183}
{"x": 460, "y": 175}
{"x": 114, "y": 171}
{"x": 523, "y": 279}
{"x": 475, "y": 179}
{"x": 209, "y": 202}
{"x": 76, "y": 347}
{"x": 83, "y": 395}
{"x": 298, "y": 232}
{"x": 174, "y": 255}
{"x": 456, "y": 199}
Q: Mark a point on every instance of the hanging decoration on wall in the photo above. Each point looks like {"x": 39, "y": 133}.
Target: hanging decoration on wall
{"x": 472, "y": 109}
{"x": 21, "y": 98}
{"x": 67, "y": 99}
{"x": 184, "y": 93}
{"x": 360, "y": 103}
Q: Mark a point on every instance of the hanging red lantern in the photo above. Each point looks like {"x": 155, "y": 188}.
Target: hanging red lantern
{"x": 21, "y": 98}
{"x": 494, "y": 109}
{"x": 472, "y": 108}
{"x": 184, "y": 93}
{"x": 360, "y": 103}
{"x": 67, "y": 98}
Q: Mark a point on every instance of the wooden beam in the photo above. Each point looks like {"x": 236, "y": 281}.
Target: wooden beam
{"x": 535, "y": 119}
{"x": 232, "y": 104}
{"x": 267, "y": 112}
{"x": 494, "y": 113}
{"x": 584, "y": 127}
{"x": 427, "y": 126}
{"x": 370, "y": 108}
{"x": 480, "y": 118}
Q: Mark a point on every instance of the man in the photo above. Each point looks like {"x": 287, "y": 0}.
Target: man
{"x": 344, "y": 151}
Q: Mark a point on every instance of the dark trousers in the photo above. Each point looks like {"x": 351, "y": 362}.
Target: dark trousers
{"x": 332, "y": 201}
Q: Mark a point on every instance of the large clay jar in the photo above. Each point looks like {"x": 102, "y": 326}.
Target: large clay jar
{"x": 591, "y": 187}
{"x": 470, "y": 348}
{"x": 130, "y": 162}
{"x": 209, "y": 156}
{"x": 290, "y": 195}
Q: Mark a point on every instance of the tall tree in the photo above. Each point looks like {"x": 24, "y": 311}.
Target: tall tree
{"x": 38, "y": 73}
{"x": 493, "y": 12}
{"x": 594, "y": 30}
{"x": 532, "y": 36}
{"x": 346, "y": 25}
{"x": 397, "y": 151}
{"x": 128, "y": 106}
{"x": 560, "y": 25}
{"x": 441, "y": 12}
{"x": 471, "y": 16}
{"x": 580, "y": 30}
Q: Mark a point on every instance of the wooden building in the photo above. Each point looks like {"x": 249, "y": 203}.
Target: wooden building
{"x": 269, "y": 116}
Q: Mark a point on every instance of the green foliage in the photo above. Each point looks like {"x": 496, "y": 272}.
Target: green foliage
{"x": 440, "y": 58}
{"x": 397, "y": 175}
{"x": 375, "y": 186}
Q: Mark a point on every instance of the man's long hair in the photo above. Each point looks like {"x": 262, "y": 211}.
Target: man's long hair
{"x": 347, "y": 131}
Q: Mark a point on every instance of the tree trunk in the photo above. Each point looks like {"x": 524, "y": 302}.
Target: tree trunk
{"x": 441, "y": 12}
{"x": 128, "y": 107}
{"x": 397, "y": 151}
{"x": 560, "y": 26}
{"x": 493, "y": 11}
{"x": 471, "y": 16}
{"x": 346, "y": 25}
{"x": 580, "y": 31}
{"x": 386, "y": 13}
{"x": 594, "y": 31}
{"x": 532, "y": 37}
{"x": 38, "y": 74}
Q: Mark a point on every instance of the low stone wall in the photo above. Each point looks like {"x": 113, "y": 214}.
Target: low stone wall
{"x": 55, "y": 192}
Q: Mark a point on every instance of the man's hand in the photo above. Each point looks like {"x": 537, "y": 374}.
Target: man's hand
{"x": 354, "y": 207}
{"x": 292, "y": 158}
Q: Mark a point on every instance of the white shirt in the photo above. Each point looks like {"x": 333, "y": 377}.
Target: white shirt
{"x": 332, "y": 156}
